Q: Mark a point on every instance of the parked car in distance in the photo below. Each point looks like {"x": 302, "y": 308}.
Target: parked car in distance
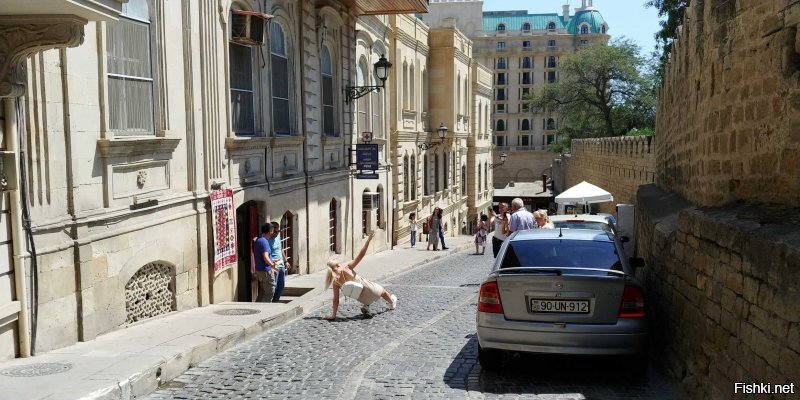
{"x": 563, "y": 291}
{"x": 603, "y": 222}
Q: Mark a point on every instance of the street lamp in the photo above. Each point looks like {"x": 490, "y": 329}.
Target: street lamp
{"x": 503, "y": 157}
{"x": 381, "y": 71}
{"x": 442, "y": 132}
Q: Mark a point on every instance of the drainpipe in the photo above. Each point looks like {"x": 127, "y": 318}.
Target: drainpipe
{"x": 17, "y": 233}
{"x": 302, "y": 112}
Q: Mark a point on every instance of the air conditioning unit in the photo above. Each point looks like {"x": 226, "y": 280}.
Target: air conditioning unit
{"x": 247, "y": 27}
{"x": 371, "y": 201}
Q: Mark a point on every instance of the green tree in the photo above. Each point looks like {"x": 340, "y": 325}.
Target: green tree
{"x": 671, "y": 12}
{"x": 603, "y": 90}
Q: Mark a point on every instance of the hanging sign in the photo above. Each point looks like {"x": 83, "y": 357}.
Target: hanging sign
{"x": 367, "y": 157}
{"x": 223, "y": 221}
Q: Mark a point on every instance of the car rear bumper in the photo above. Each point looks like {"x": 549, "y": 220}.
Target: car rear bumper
{"x": 628, "y": 337}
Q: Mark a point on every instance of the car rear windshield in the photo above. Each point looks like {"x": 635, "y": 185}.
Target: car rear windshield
{"x": 594, "y": 225}
{"x": 561, "y": 253}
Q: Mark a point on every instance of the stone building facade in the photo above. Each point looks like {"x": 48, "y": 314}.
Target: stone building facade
{"x": 719, "y": 229}
{"x": 127, "y": 124}
{"x": 523, "y": 51}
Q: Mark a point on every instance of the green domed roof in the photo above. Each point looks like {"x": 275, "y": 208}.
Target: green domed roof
{"x": 592, "y": 18}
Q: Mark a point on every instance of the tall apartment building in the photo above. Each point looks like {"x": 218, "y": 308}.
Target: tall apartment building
{"x": 524, "y": 51}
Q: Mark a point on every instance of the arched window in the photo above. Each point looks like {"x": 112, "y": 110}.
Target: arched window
{"x": 551, "y": 124}
{"x": 287, "y": 238}
{"x": 551, "y": 25}
{"x": 526, "y": 125}
{"x": 281, "y": 89}
{"x": 328, "y": 107}
{"x": 501, "y": 27}
{"x": 479, "y": 179}
{"x": 130, "y": 75}
{"x": 486, "y": 176}
{"x": 526, "y": 26}
{"x": 526, "y": 62}
{"x": 412, "y": 87}
{"x": 377, "y": 109}
{"x": 501, "y": 125}
{"x": 366, "y": 208}
{"x": 413, "y": 177}
{"x": 332, "y": 224}
{"x": 551, "y": 62}
{"x": 361, "y": 105}
{"x": 501, "y": 63}
{"x": 458, "y": 94}
{"x": 584, "y": 29}
{"x": 406, "y": 90}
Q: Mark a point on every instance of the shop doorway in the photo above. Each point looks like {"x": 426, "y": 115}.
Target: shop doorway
{"x": 247, "y": 229}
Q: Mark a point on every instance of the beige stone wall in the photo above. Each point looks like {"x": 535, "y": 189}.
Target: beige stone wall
{"x": 616, "y": 164}
{"x": 722, "y": 285}
{"x": 729, "y": 109}
{"x": 723, "y": 263}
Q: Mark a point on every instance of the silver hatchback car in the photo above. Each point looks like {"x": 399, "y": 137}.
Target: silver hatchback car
{"x": 562, "y": 291}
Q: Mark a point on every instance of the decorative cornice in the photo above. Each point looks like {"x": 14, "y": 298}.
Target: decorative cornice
{"x": 23, "y": 36}
{"x": 131, "y": 147}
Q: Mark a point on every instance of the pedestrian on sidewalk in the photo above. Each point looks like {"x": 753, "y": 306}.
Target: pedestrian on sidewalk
{"x": 442, "y": 228}
{"x": 434, "y": 226}
{"x": 521, "y": 219}
{"x": 480, "y": 236}
{"x": 412, "y": 220}
{"x": 265, "y": 268}
{"x": 278, "y": 255}
{"x": 339, "y": 273}
{"x": 500, "y": 222}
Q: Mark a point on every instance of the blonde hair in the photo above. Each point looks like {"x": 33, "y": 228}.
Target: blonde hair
{"x": 329, "y": 277}
{"x": 541, "y": 214}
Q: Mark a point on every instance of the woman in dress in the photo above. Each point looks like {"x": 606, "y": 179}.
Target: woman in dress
{"x": 435, "y": 225}
{"x": 339, "y": 273}
{"x": 480, "y": 236}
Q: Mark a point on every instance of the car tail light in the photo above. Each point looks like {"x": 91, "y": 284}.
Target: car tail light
{"x": 632, "y": 303}
{"x": 489, "y": 299}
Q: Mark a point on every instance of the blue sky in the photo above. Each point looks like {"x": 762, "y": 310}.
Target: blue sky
{"x": 629, "y": 18}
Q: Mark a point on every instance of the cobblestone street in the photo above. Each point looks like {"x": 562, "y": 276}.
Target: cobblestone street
{"x": 426, "y": 348}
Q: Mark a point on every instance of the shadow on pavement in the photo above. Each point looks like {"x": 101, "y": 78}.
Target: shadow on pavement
{"x": 349, "y": 318}
{"x": 592, "y": 377}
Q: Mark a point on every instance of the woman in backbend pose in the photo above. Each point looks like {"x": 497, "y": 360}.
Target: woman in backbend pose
{"x": 339, "y": 273}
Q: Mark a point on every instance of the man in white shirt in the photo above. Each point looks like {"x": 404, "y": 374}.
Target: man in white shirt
{"x": 500, "y": 222}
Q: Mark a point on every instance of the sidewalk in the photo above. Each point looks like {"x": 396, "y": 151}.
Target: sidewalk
{"x": 133, "y": 361}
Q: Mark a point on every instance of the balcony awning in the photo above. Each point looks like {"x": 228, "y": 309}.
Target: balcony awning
{"x": 90, "y": 10}
{"x": 382, "y": 7}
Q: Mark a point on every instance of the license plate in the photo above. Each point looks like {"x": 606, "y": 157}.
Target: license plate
{"x": 559, "y": 306}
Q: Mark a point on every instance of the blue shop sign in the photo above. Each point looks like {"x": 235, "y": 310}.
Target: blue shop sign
{"x": 367, "y": 157}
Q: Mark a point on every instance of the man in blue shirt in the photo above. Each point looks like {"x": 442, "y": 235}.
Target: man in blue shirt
{"x": 279, "y": 256}
{"x": 265, "y": 267}
{"x": 521, "y": 218}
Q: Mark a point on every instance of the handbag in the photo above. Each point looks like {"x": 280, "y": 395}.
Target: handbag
{"x": 352, "y": 289}
{"x": 426, "y": 229}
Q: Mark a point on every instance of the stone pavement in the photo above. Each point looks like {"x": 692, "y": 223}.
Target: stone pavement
{"x": 134, "y": 361}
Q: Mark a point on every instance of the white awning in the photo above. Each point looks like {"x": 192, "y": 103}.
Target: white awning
{"x": 584, "y": 193}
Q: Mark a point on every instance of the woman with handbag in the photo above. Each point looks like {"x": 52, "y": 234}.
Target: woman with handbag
{"x": 345, "y": 281}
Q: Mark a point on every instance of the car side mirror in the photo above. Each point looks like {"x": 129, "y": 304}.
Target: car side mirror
{"x": 624, "y": 239}
{"x": 636, "y": 262}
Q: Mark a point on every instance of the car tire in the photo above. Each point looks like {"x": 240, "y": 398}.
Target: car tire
{"x": 490, "y": 360}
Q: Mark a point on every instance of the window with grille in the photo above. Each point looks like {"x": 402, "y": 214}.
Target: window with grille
{"x": 130, "y": 72}
{"x": 332, "y": 223}
{"x": 287, "y": 237}
{"x": 425, "y": 180}
{"x": 242, "y": 94}
{"x": 463, "y": 180}
{"x": 328, "y": 108}
{"x": 281, "y": 88}
{"x": 435, "y": 173}
{"x": 413, "y": 177}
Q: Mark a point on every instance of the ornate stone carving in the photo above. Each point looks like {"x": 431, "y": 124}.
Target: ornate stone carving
{"x": 141, "y": 178}
{"x": 22, "y": 36}
{"x": 149, "y": 292}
